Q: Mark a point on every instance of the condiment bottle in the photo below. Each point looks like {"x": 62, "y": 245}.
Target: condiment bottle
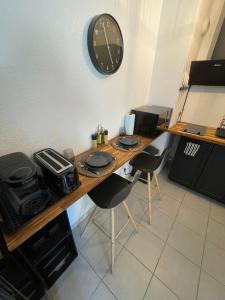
{"x": 106, "y": 137}
{"x": 99, "y": 133}
{"x": 94, "y": 140}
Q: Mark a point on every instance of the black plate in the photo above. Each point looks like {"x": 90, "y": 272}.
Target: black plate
{"x": 128, "y": 141}
{"x": 98, "y": 159}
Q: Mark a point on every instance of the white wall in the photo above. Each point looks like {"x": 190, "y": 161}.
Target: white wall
{"x": 51, "y": 95}
{"x": 205, "y": 105}
{"x": 177, "y": 21}
{"x": 210, "y": 13}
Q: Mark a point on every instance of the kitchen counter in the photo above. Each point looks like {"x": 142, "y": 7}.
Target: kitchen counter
{"x": 209, "y": 136}
{"x": 87, "y": 184}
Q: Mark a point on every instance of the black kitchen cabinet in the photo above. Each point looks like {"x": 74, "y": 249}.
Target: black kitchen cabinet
{"x": 200, "y": 166}
{"x": 212, "y": 179}
{"x": 189, "y": 161}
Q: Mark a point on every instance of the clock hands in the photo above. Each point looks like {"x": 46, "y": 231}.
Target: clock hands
{"x": 107, "y": 43}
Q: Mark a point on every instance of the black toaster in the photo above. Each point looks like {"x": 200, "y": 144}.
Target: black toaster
{"x": 59, "y": 173}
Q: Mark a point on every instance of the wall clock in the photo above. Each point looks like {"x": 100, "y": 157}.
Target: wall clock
{"x": 105, "y": 43}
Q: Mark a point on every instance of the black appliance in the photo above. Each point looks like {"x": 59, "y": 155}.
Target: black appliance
{"x": 23, "y": 193}
{"x": 207, "y": 72}
{"x": 60, "y": 174}
{"x": 147, "y": 118}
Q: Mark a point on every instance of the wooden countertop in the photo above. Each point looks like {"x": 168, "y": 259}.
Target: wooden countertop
{"x": 210, "y": 135}
{"x": 87, "y": 184}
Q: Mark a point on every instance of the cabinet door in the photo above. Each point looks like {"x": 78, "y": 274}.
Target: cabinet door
{"x": 189, "y": 161}
{"x": 212, "y": 179}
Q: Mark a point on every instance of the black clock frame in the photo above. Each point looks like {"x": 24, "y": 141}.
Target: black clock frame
{"x": 91, "y": 45}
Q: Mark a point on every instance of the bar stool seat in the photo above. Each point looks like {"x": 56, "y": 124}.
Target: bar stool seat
{"x": 110, "y": 192}
{"x": 107, "y": 195}
{"x": 148, "y": 163}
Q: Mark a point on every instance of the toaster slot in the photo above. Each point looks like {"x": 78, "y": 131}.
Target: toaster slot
{"x": 58, "y": 158}
{"x": 51, "y": 163}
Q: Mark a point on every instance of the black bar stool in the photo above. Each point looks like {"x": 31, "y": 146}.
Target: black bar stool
{"x": 107, "y": 195}
{"x": 145, "y": 162}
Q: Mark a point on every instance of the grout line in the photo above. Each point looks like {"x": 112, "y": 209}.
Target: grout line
{"x": 165, "y": 243}
{"x": 199, "y": 234}
{"x": 191, "y": 261}
{"x": 168, "y": 287}
{"x": 106, "y": 286}
{"x": 95, "y": 289}
{"x": 219, "y": 282}
{"x": 216, "y": 220}
{"x": 203, "y": 253}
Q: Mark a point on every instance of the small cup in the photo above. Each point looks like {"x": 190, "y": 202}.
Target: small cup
{"x": 69, "y": 154}
{"x": 94, "y": 144}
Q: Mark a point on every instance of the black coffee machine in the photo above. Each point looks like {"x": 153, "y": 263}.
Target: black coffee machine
{"x": 23, "y": 193}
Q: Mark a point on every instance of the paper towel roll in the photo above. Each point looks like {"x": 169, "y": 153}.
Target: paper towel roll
{"x": 129, "y": 124}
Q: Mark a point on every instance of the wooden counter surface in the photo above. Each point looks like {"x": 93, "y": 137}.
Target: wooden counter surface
{"x": 210, "y": 135}
{"x": 87, "y": 184}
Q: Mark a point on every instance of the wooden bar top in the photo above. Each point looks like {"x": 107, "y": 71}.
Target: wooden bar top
{"x": 87, "y": 184}
{"x": 210, "y": 135}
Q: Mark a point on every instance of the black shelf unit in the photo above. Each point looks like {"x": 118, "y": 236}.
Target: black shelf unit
{"x": 15, "y": 271}
{"x": 51, "y": 250}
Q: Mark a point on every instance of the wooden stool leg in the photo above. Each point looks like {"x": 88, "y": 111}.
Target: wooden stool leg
{"x": 112, "y": 238}
{"x": 89, "y": 220}
{"x": 157, "y": 184}
{"x": 149, "y": 198}
{"x": 129, "y": 214}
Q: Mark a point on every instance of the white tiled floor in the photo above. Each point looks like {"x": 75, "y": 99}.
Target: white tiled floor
{"x": 181, "y": 255}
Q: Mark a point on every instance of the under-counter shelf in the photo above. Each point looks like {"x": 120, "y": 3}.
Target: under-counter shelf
{"x": 52, "y": 249}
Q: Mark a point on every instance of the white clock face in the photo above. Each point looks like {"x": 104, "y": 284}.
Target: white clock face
{"x": 105, "y": 44}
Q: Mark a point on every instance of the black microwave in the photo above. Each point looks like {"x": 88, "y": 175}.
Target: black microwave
{"x": 148, "y": 117}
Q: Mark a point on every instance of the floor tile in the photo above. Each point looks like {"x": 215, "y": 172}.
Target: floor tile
{"x": 214, "y": 262}
{"x": 173, "y": 190}
{"x": 158, "y": 291}
{"x": 197, "y": 202}
{"x": 102, "y": 293}
{"x": 178, "y": 274}
{"x": 210, "y": 289}
{"x": 140, "y": 189}
{"x": 129, "y": 279}
{"x": 192, "y": 219}
{"x": 167, "y": 205}
{"x": 137, "y": 206}
{"x": 217, "y": 212}
{"x": 81, "y": 236}
{"x": 78, "y": 279}
{"x": 146, "y": 246}
{"x": 187, "y": 242}
{"x": 97, "y": 251}
{"x": 216, "y": 233}
{"x": 121, "y": 219}
{"x": 161, "y": 223}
